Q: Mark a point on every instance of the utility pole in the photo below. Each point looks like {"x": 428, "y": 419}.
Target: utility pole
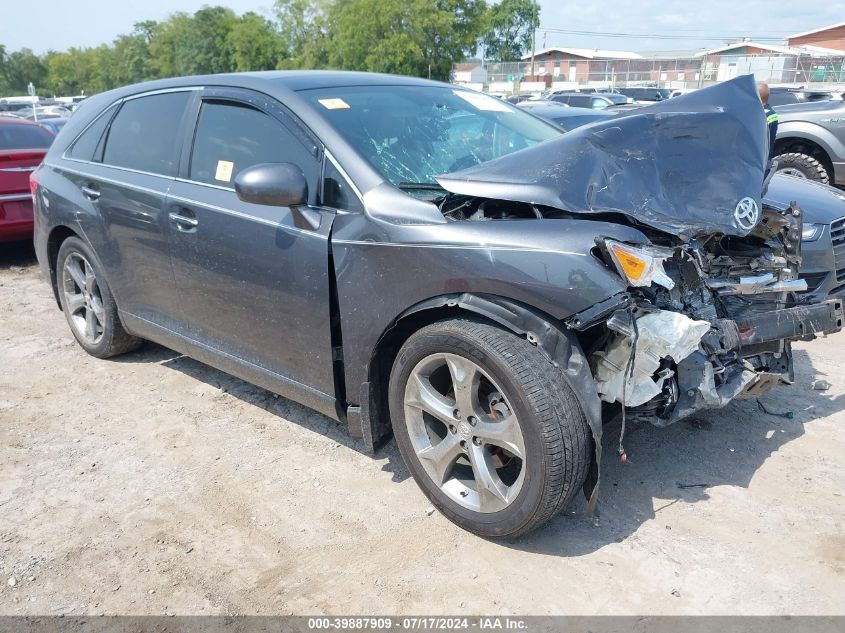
{"x": 31, "y": 90}
{"x": 533, "y": 51}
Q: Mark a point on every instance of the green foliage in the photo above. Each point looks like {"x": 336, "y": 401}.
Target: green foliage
{"x": 406, "y": 37}
{"x": 410, "y": 37}
{"x": 254, "y": 44}
{"x": 21, "y": 67}
{"x": 510, "y": 28}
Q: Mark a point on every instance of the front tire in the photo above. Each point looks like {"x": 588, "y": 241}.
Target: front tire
{"x": 489, "y": 428}
{"x": 88, "y": 304}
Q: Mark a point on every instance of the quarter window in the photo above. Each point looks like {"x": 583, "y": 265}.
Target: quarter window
{"x": 145, "y": 133}
{"x": 231, "y": 137}
{"x": 85, "y": 146}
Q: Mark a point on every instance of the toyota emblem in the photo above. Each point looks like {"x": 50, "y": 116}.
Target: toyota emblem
{"x": 746, "y": 213}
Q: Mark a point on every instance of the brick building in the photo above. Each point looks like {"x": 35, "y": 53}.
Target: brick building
{"x": 831, "y": 37}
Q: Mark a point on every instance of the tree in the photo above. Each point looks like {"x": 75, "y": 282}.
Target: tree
{"x": 303, "y": 32}
{"x": 132, "y": 57}
{"x": 254, "y": 44}
{"x": 409, "y": 37}
{"x": 510, "y": 29}
{"x": 193, "y": 45}
{"x": 449, "y": 31}
{"x": 23, "y": 67}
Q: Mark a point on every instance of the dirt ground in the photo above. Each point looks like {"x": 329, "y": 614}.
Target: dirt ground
{"x": 153, "y": 484}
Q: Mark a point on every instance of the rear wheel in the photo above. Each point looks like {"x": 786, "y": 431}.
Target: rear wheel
{"x": 802, "y": 166}
{"x": 489, "y": 428}
{"x": 88, "y": 304}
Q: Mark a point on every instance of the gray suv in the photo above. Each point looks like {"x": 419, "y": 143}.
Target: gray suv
{"x": 811, "y": 141}
{"x": 409, "y": 257}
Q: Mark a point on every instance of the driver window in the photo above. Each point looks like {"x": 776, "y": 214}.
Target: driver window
{"x": 231, "y": 136}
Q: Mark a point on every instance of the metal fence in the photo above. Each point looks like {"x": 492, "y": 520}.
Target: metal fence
{"x": 668, "y": 72}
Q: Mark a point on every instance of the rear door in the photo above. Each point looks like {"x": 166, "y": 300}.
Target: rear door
{"x": 124, "y": 165}
{"x": 252, "y": 279}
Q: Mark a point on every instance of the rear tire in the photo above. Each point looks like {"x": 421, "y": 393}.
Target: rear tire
{"x": 802, "y": 166}
{"x": 489, "y": 428}
{"x": 88, "y": 304}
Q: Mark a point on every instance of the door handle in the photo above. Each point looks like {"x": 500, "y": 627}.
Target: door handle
{"x": 91, "y": 192}
{"x": 183, "y": 222}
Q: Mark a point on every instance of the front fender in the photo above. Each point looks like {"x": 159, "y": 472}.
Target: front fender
{"x": 814, "y": 132}
{"x": 382, "y": 270}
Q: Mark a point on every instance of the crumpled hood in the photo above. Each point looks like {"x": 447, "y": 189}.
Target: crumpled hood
{"x": 680, "y": 166}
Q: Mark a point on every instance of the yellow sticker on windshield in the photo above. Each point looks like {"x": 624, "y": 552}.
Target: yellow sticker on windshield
{"x": 224, "y": 170}
{"x": 334, "y": 104}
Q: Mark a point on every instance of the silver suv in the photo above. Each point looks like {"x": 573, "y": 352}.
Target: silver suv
{"x": 811, "y": 141}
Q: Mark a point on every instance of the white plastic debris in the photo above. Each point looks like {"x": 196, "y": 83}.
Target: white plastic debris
{"x": 661, "y": 334}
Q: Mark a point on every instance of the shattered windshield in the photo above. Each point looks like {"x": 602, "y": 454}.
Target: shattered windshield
{"x": 412, "y": 133}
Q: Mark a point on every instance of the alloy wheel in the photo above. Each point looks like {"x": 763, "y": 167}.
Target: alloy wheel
{"x": 83, "y": 300}
{"x": 464, "y": 432}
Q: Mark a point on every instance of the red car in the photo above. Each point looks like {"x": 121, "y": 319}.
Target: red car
{"x": 22, "y": 147}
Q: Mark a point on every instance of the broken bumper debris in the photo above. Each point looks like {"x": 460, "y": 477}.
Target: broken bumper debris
{"x": 663, "y": 366}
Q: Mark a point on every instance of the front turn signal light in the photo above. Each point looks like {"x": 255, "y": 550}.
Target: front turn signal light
{"x": 639, "y": 266}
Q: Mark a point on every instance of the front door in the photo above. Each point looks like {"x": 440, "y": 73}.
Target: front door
{"x": 253, "y": 280}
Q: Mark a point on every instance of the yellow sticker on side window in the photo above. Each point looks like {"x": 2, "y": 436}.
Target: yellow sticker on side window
{"x": 334, "y": 104}
{"x": 224, "y": 170}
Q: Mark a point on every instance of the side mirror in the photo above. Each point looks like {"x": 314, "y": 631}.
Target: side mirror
{"x": 275, "y": 184}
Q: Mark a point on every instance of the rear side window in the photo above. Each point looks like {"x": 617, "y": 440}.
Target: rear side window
{"x": 231, "y": 136}
{"x": 145, "y": 133}
{"x": 85, "y": 146}
{"x": 22, "y": 136}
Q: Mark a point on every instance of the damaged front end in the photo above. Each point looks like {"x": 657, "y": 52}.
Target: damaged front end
{"x": 713, "y": 324}
{"x": 712, "y": 304}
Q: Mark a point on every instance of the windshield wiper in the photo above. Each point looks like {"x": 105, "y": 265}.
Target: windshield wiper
{"x": 420, "y": 186}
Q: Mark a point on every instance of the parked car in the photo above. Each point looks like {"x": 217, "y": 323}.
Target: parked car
{"x": 569, "y": 118}
{"x": 592, "y": 90}
{"x": 54, "y": 124}
{"x": 22, "y": 147}
{"x": 823, "y": 233}
{"x": 540, "y": 103}
{"x": 408, "y": 256}
{"x": 780, "y": 96}
{"x": 811, "y": 141}
{"x": 43, "y": 112}
{"x": 646, "y": 94}
{"x": 595, "y": 101}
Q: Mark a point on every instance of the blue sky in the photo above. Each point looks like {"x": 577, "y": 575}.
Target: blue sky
{"x": 684, "y": 24}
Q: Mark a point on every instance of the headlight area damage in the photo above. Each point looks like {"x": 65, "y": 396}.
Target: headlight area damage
{"x": 715, "y": 323}
{"x": 711, "y": 306}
